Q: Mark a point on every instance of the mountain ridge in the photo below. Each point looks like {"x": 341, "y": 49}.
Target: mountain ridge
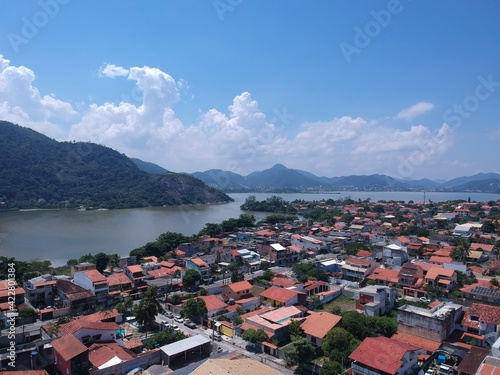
{"x": 40, "y": 172}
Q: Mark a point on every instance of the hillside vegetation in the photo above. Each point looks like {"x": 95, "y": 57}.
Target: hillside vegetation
{"x": 39, "y": 172}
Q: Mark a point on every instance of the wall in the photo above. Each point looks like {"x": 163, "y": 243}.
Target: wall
{"x": 152, "y": 357}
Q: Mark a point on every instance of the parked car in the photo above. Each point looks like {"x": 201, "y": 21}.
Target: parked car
{"x": 424, "y": 299}
{"x": 178, "y": 318}
{"x": 430, "y": 371}
{"x": 189, "y": 323}
{"x": 216, "y": 336}
{"x": 171, "y": 326}
{"x": 169, "y": 314}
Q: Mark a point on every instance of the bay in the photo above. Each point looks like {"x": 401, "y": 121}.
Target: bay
{"x": 61, "y": 235}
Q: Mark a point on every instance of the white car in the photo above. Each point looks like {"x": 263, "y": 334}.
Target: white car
{"x": 424, "y": 299}
{"x": 178, "y": 318}
{"x": 172, "y": 326}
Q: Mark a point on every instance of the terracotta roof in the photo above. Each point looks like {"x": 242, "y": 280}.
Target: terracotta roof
{"x": 166, "y": 264}
{"x": 311, "y": 285}
{"x": 425, "y": 265}
{"x": 364, "y": 253}
{"x": 95, "y": 276}
{"x": 419, "y": 342}
{"x": 100, "y": 353}
{"x": 118, "y": 279}
{"x": 213, "y": 303}
{"x": 18, "y": 291}
{"x": 68, "y": 347}
{"x": 240, "y": 286}
{"x": 319, "y": 323}
{"x": 484, "y": 313}
{"x": 262, "y": 310}
{"x": 162, "y": 272}
{"x": 384, "y": 274}
{"x": 134, "y": 268}
{"x": 151, "y": 258}
{"x": 440, "y": 259}
{"x": 77, "y": 324}
{"x": 101, "y": 316}
{"x": 482, "y": 246}
{"x": 435, "y": 272}
{"x": 279, "y": 294}
{"x": 358, "y": 262}
{"x": 381, "y": 353}
{"x": 133, "y": 343}
{"x": 283, "y": 282}
{"x": 199, "y": 262}
{"x": 409, "y": 270}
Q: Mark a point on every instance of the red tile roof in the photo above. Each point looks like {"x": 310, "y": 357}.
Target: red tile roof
{"x": 68, "y": 347}
{"x": 318, "y": 324}
{"x": 95, "y": 276}
{"x": 484, "y": 313}
{"x": 134, "y": 268}
{"x": 381, "y": 353}
{"x": 283, "y": 282}
{"x": 213, "y": 303}
{"x": 435, "y": 272}
{"x": 101, "y": 316}
{"x": 77, "y": 324}
{"x": 118, "y": 279}
{"x": 282, "y": 295}
{"x": 384, "y": 274}
{"x": 199, "y": 262}
{"x": 72, "y": 291}
{"x": 240, "y": 286}
{"x": 419, "y": 342}
{"x": 364, "y": 253}
{"x": 100, "y": 353}
{"x": 359, "y": 262}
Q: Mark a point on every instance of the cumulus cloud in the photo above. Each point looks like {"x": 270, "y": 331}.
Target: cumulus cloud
{"x": 112, "y": 71}
{"x": 415, "y": 110}
{"x": 22, "y": 103}
{"x": 241, "y": 139}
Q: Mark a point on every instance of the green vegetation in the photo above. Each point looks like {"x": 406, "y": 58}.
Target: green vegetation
{"x": 271, "y": 204}
{"x": 165, "y": 337}
{"x": 39, "y": 172}
{"x": 254, "y": 335}
{"x": 194, "y": 309}
{"x": 230, "y": 225}
{"x": 190, "y": 278}
{"x": 304, "y": 271}
{"x": 147, "y": 308}
{"x": 164, "y": 243}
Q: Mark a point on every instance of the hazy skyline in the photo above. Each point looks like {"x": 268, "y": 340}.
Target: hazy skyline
{"x": 402, "y": 88}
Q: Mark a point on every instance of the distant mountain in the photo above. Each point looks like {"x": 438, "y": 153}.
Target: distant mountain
{"x": 280, "y": 178}
{"x": 489, "y": 185}
{"x": 149, "y": 167}
{"x": 39, "y": 172}
{"x": 464, "y": 180}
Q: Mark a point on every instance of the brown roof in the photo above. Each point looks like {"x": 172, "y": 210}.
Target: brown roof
{"x": 473, "y": 360}
{"x": 384, "y": 274}
{"x": 72, "y": 291}
{"x": 381, "y": 353}
{"x": 199, "y": 262}
{"x": 317, "y": 324}
{"x": 359, "y": 262}
{"x": 435, "y": 272}
{"x": 409, "y": 270}
{"x": 484, "y": 313}
{"x": 134, "y": 268}
{"x": 68, "y": 347}
{"x": 101, "y": 316}
{"x": 283, "y": 282}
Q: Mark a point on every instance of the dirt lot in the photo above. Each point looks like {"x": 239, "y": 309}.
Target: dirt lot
{"x": 345, "y": 303}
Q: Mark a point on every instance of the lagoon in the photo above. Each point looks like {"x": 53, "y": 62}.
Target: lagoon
{"x": 59, "y": 235}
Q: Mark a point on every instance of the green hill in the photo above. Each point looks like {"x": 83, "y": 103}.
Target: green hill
{"x": 39, "y": 172}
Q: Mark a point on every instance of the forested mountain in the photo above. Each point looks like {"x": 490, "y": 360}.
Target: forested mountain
{"x": 39, "y": 172}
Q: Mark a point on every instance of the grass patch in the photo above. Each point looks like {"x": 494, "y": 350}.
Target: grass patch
{"x": 345, "y": 303}
{"x": 256, "y": 290}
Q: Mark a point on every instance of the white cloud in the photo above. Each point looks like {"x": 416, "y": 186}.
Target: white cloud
{"x": 241, "y": 139}
{"x": 112, "y": 71}
{"x": 22, "y": 103}
{"x": 415, "y": 110}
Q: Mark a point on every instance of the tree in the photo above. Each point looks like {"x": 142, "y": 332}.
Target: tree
{"x": 338, "y": 344}
{"x": 301, "y": 353}
{"x": 190, "y": 278}
{"x": 147, "y": 308}
{"x": 462, "y": 251}
{"x": 125, "y": 305}
{"x": 295, "y": 330}
{"x": 254, "y": 335}
{"x": 331, "y": 368}
{"x": 195, "y": 309}
{"x": 165, "y": 337}
{"x": 268, "y": 275}
{"x": 101, "y": 261}
{"x": 237, "y": 276}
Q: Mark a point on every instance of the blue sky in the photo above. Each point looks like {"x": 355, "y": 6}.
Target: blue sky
{"x": 405, "y": 88}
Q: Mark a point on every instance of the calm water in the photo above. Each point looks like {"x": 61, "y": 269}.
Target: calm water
{"x": 61, "y": 235}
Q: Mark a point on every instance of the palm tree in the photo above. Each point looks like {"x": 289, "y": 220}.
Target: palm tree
{"x": 147, "y": 309}
{"x": 462, "y": 251}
